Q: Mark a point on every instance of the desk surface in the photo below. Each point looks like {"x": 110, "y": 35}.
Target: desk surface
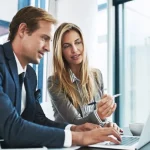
{"x": 126, "y": 131}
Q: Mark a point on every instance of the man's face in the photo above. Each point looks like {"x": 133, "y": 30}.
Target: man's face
{"x": 36, "y": 44}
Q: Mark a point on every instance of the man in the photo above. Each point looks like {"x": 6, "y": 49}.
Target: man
{"x": 22, "y": 121}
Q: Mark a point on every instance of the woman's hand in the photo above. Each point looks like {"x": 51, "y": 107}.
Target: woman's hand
{"x": 115, "y": 126}
{"x": 106, "y": 106}
{"x": 84, "y": 127}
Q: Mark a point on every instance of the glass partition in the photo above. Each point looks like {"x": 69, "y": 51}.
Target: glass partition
{"x": 135, "y": 62}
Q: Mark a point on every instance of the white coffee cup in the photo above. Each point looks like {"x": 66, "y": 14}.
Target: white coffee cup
{"x": 136, "y": 128}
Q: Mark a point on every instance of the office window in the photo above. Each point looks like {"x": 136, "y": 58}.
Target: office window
{"x": 4, "y": 25}
{"x": 101, "y": 52}
{"x": 135, "y": 62}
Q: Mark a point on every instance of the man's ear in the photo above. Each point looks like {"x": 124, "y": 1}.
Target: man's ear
{"x": 22, "y": 29}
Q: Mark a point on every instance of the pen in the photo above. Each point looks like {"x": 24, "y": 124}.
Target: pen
{"x": 114, "y": 96}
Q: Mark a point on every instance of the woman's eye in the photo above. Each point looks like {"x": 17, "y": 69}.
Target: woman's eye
{"x": 78, "y": 42}
{"x": 66, "y": 46}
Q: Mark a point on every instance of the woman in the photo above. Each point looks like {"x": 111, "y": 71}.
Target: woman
{"x": 75, "y": 88}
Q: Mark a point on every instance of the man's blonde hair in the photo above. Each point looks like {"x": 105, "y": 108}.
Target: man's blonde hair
{"x": 31, "y": 16}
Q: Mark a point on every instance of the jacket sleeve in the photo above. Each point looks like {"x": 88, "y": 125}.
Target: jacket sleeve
{"x": 18, "y": 132}
{"x": 99, "y": 81}
{"x": 100, "y": 87}
{"x": 40, "y": 118}
{"x": 65, "y": 108}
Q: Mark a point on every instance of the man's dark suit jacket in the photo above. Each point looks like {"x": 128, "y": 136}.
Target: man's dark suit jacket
{"x": 32, "y": 128}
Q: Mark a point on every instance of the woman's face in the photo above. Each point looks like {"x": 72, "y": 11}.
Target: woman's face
{"x": 72, "y": 48}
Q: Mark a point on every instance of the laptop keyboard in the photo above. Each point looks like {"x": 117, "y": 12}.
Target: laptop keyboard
{"x": 129, "y": 140}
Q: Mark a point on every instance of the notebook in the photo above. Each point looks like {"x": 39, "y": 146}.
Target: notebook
{"x": 129, "y": 142}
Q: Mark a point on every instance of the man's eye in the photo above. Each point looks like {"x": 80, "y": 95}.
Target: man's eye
{"x": 43, "y": 38}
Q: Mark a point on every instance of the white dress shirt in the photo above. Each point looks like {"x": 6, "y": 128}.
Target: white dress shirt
{"x": 23, "y": 94}
{"x": 68, "y": 135}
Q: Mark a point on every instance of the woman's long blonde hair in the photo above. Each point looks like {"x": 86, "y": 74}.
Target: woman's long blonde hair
{"x": 60, "y": 68}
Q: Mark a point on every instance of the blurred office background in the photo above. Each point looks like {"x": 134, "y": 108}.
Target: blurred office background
{"x": 117, "y": 35}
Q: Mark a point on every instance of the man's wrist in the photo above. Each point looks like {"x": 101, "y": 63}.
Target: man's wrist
{"x": 73, "y": 128}
{"x": 77, "y": 139}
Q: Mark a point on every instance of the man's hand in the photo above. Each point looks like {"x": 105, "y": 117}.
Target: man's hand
{"x": 84, "y": 127}
{"x": 106, "y": 106}
{"x": 115, "y": 126}
{"x": 96, "y": 136}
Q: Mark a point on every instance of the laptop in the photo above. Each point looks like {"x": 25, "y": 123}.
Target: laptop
{"x": 129, "y": 142}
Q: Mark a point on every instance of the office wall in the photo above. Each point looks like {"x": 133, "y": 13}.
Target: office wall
{"x": 8, "y": 8}
{"x": 83, "y": 13}
{"x": 7, "y": 12}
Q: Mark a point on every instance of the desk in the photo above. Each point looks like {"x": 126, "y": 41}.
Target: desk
{"x": 146, "y": 147}
{"x": 126, "y": 131}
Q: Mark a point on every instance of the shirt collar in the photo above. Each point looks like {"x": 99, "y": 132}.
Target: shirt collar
{"x": 19, "y": 67}
{"x": 73, "y": 78}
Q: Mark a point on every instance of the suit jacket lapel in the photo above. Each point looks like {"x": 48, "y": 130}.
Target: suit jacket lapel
{"x": 30, "y": 100}
{"x": 12, "y": 62}
{"x": 13, "y": 70}
{"x": 30, "y": 103}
